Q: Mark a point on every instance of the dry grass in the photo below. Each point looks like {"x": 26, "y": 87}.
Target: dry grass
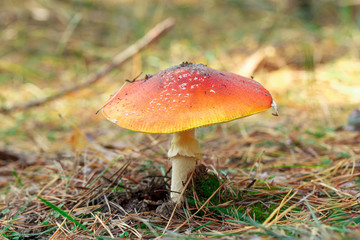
{"x": 79, "y": 177}
{"x": 306, "y": 186}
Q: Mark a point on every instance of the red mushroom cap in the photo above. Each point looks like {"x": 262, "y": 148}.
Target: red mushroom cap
{"x": 184, "y": 97}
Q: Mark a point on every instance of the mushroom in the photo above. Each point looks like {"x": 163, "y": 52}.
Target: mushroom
{"x": 180, "y": 99}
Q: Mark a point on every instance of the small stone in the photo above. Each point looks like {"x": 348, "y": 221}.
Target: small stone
{"x": 353, "y": 121}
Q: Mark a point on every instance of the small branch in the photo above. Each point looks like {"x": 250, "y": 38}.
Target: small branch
{"x": 118, "y": 60}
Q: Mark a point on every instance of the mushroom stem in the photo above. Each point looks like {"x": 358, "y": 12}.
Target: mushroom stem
{"x": 184, "y": 152}
{"x": 182, "y": 166}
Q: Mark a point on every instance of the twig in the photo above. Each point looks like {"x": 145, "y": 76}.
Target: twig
{"x": 277, "y": 210}
{"x": 119, "y": 59}
{"x": 253, "y": 61}
{"x": 103, "y": 224}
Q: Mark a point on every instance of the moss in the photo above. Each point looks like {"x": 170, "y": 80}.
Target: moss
{"x": 259, "y": 211}
{"x": 204, "y": 185}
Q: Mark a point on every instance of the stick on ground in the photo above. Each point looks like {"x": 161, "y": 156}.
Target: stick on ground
{"x": 119, "y": 59}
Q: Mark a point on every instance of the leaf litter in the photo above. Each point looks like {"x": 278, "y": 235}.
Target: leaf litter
{"x": 305, "y": 186}
{"x": 293, "y": 177}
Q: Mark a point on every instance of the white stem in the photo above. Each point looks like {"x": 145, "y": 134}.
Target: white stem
{"x": 184, "y": 152}
{"x": 181, "y": 167}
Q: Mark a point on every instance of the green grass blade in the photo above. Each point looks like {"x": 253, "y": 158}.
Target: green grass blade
{"x": 16, "y": 215}
{"x": 204, "y": 225}
{"x": 64, "y": 214}
{"x": 312, "y": 213}
{"x": 18, "y": 180}
{"x": 70, "y": 218}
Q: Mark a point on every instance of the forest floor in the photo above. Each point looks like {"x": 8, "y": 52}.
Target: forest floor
{"x": 67, "y": 173}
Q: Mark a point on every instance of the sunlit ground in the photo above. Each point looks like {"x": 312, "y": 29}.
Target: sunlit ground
{"x": 307, "y": 56}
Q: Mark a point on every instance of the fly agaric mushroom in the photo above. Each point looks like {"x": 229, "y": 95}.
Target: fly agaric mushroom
{"x": 178, "y": 100}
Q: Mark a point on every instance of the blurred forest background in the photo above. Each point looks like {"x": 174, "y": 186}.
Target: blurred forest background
{"x": 306, "y": 53}
{"x": 309, "y": 55}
